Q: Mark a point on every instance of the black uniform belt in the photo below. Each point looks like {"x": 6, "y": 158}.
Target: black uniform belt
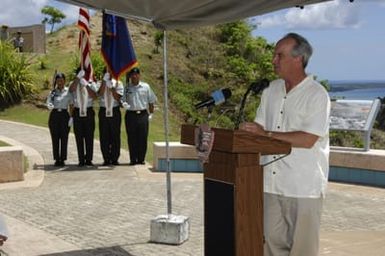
{"x": 88, "y": 108}
{"x": 59, "y": 110}
{"x": 138, "y": 112}
{"x": 112, "y": 107}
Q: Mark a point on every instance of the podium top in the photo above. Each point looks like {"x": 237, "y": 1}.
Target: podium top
{"x": 238, "y": 141}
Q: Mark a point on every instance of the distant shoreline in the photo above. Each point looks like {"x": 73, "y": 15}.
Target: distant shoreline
{"x": 344, "y": 85}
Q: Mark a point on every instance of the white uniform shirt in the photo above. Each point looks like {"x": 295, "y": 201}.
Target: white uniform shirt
{"x": 304, "y": 172}
{"x": 138, "y": 96}
{"x": 60, "y": 99}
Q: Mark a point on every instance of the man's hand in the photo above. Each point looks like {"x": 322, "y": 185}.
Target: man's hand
{"x": 149, "y": 117}
{"x": 252, "y": 127}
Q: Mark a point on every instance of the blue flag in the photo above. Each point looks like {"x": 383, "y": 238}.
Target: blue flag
{"x": 117, "y": 49}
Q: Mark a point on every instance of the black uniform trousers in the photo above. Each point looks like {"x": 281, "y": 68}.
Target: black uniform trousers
{"x": 58, "y": 127}
{"x": 137, "y": 133}
{"x": 109, "y": 132}
{"x": 84, "y": 128}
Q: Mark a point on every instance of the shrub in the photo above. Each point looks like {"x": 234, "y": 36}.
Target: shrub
{"x": 15, "y": 76}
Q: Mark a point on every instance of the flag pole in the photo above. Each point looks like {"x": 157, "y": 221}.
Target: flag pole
{"x": 165, "y": 117}
{"x": 169, "y": 228}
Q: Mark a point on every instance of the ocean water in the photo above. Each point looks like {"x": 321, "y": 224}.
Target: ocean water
{"x": 357, "y": 90}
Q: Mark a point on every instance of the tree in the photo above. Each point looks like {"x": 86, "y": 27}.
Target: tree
{"x": 54, "y": 16}
{"x": 158, "y": 39}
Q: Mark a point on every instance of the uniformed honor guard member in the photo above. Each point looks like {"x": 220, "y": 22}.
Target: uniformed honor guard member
{"x": 59, "y": 101}
{"x": 110, "y": 119}
{"x": 84, "y": 94}
{"x": 138, "y": 100}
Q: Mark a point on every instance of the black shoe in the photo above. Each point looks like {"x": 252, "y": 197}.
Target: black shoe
{"x": 89, "y": 163}
{"x": 115, "y": 163}
{"x": 57, "y": 163}
{"x": 81, "y": 164}
{"x": 132, "y": 163}
{"x": 62, "y": 163}
{"x": 142, "y": 163}
{"x": 106, "y": 163}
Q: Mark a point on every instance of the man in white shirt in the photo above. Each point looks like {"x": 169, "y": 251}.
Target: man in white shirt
{"x": 295, "y": 109}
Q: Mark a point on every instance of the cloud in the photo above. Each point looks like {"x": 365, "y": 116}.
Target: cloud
{"x": 21, "y": 13}
{"x": 333, "y": 14}
{"x": 27, "y": 12}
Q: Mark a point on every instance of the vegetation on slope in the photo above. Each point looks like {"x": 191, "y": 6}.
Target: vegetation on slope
{"x": 199, "y": 61}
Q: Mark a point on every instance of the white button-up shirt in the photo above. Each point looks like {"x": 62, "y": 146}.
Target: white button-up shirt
{"x": 304, "y": 172}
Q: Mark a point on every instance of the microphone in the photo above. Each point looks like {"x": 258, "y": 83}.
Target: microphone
{"x": 217, "y": 97}
{"x": 259, "y": 86}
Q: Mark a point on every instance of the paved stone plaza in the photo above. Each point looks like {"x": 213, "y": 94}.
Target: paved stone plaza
{"x": 107, "y": 210}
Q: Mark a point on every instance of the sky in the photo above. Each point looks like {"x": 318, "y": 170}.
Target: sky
{"x": 348, "y": 38}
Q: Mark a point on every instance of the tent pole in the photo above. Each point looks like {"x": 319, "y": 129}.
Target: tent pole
{"x": 165, "y": 117}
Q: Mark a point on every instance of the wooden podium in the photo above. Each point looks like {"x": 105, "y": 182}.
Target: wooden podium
{"x": 233, "y": 191}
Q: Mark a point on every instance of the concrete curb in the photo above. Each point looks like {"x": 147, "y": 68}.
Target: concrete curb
{"x": 35, "y": 174}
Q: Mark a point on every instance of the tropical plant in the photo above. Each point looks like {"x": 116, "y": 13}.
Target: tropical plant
{"x": 53, "y": 16}
{"x": 158, "y": 39}
{"x": 15, "y": 76}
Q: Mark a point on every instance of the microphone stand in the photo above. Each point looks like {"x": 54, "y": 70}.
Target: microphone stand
{"x": 209, "y": 112}
{"x": 256, "y": 88}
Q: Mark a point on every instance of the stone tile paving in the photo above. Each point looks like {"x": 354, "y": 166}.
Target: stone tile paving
{"x": 107, "y": 211}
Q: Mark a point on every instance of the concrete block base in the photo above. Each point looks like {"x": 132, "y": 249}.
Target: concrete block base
{"x": 12, "y": 164}
{"x": 169, "y": 229}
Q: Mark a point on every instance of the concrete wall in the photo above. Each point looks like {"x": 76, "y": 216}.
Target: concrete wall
{"x": 183, "y": 157}
{"x": 11, "y": 164}
{"x": 353, "y": 158}
{"x": 34, "y": 37}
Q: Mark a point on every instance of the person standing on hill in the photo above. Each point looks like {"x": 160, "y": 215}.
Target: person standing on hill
{"x": 59, "y": 101}
{"x": 110, "y": 119}
{"x": 138, "y": 100}
{"x": 18, "y": 42}
{"x": 296, "y": 109}
{"x": 4, "y": 35}
{"x": 84, "y": 94}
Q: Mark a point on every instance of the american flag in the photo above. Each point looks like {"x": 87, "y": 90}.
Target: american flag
{"x": 84, "y": 44}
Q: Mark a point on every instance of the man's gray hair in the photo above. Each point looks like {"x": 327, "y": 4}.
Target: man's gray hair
{"x": 302, "y": 47}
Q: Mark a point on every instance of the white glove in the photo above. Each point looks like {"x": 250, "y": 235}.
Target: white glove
{"x": 149, "y": 117}
{"x": 80, "y": 74}
{"x": 50, "y": 106}
{"x": 126, "y": 105}
{"x": 109, "y": 84}
{"x": 107, "y": 77}
{"x": 83, "y": 82}
{"x": 70, "y": 121}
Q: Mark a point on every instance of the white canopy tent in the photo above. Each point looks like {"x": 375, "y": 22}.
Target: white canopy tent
{"x": 175, "y": 14}
{"x": 172, "y": 14}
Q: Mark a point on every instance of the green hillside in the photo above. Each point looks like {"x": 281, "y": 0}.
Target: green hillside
{"x": 199, "y": 61}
